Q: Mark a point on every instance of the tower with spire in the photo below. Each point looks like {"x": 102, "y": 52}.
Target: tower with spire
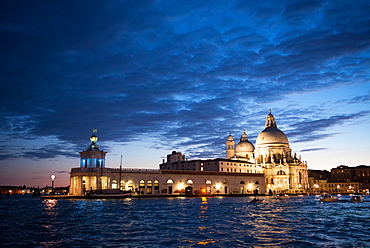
{"x": 230, "y": 151}
{"x": 93, "y": 157}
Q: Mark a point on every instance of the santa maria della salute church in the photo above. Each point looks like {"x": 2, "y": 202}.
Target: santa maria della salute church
{"x": 269, "y": 167}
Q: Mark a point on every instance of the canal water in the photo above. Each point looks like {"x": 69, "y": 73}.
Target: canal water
{"x": 183, "y": 222}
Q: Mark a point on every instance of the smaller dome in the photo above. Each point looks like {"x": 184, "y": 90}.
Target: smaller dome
{"x": 244, "y": 145}
{"x": 230, "y": 137}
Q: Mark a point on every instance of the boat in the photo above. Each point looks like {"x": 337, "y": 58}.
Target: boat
{"x": 328, "y": 198}
{"x": 255, "y": 200}
{"x": 108, "y": 193}
{"x": 282, "y": 197}
{"x": 356, "y": 198}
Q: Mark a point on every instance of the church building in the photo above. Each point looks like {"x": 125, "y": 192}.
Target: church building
{"x": 283, "y": 171}
{"x": 269, "y": 167}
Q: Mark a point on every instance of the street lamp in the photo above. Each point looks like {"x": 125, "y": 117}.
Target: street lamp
{"x": 52, "y": 184}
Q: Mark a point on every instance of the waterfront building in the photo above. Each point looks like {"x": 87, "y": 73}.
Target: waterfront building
{"x": 283, "y": 171}
{"x": 342, "y": 180}
{"x": 344, "y": 173}
{"x": 269, "y": 168}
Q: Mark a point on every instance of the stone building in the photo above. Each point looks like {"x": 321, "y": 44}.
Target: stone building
{"x": 269, "y": 168}
{"x": 283, "y": 171}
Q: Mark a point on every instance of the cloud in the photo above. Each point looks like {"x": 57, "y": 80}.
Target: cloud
{"x": 182, "y": 74}
{"x": 313, "y": 149}
{"x": 62, "y": 172}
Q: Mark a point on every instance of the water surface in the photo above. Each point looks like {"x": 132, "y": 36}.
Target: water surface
{"x": 183, "y": 222}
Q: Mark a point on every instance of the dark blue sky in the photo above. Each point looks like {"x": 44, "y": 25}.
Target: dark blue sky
{"x": 157, "y": 76}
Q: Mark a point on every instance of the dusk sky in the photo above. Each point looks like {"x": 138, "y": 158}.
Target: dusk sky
{"x": 158, "y": 76}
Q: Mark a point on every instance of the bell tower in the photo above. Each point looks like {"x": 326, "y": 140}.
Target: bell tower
{"x": 93, "y": 157}
{"x": 230, "y": 151}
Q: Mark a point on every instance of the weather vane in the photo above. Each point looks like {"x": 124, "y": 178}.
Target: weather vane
{"x": 95, "y": 131}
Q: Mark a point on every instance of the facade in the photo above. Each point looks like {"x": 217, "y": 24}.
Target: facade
{"x": 341, "y": 180}
{"x": 344, "y": 173}
{"x": 268, "y": 168}
{"x": 284, "y": 172}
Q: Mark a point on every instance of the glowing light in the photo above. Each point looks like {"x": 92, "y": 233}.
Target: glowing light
{"x": 250, "y": 186}
{"x": 180, "y": 186}
{"x": 169, "y": 181}
{"x": 189, "y": 181}
{"x": 218, "y": 186}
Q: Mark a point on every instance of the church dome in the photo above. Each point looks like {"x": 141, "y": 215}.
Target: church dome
{"x": 271, "y": 134}
{"x": 244, "y": 145}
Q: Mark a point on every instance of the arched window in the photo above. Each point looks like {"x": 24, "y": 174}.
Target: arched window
{"x": 169, "y": 181}
{"x": 114, "y": 184}
{"x": 208, "y": 182}
{"x": 241, "y": 182}
{"x": 142, "y": 184}
{"x": 149, "y": 188}
{"x": 156, "y": 185}
{"x": 281, "y": 172}
{"x": 189, "y": 181}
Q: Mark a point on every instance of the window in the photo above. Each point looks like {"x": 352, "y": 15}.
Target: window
{"x": 281, "y": 172}
{"x": 208, "y": 182}
{"x": 169, "y": 181}
{"x": 149, "y": 188}
{"x": 156, "y": 185}
{"x": 241, "y": 182}
{"x": 189, "y": 181}
{"x": 114, "y": 184}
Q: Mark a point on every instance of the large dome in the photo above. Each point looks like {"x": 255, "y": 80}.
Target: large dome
{"x": 271, "y": 135}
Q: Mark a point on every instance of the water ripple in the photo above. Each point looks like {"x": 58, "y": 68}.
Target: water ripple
{"x": 183, "y": 222}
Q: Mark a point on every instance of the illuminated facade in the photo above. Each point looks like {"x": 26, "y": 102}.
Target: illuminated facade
{"x": 341, "y": 180}
{"x": 268, "y": 168}
{"x": 176, "y": 176}
{"x": 284, "y": 172}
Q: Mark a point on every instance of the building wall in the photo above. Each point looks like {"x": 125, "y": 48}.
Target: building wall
{"x": 155, "y": 182}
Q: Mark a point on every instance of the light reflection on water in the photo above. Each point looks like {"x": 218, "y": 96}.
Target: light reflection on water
{"x": 183, "y": 222}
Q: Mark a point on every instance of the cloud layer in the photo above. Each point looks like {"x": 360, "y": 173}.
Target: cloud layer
{"x": 180, "y": 73}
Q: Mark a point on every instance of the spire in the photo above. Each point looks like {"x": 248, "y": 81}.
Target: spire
{"x": 93, "y": 139}
{"x": 270, "y": 120}
{"x": 244, "y": 136}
